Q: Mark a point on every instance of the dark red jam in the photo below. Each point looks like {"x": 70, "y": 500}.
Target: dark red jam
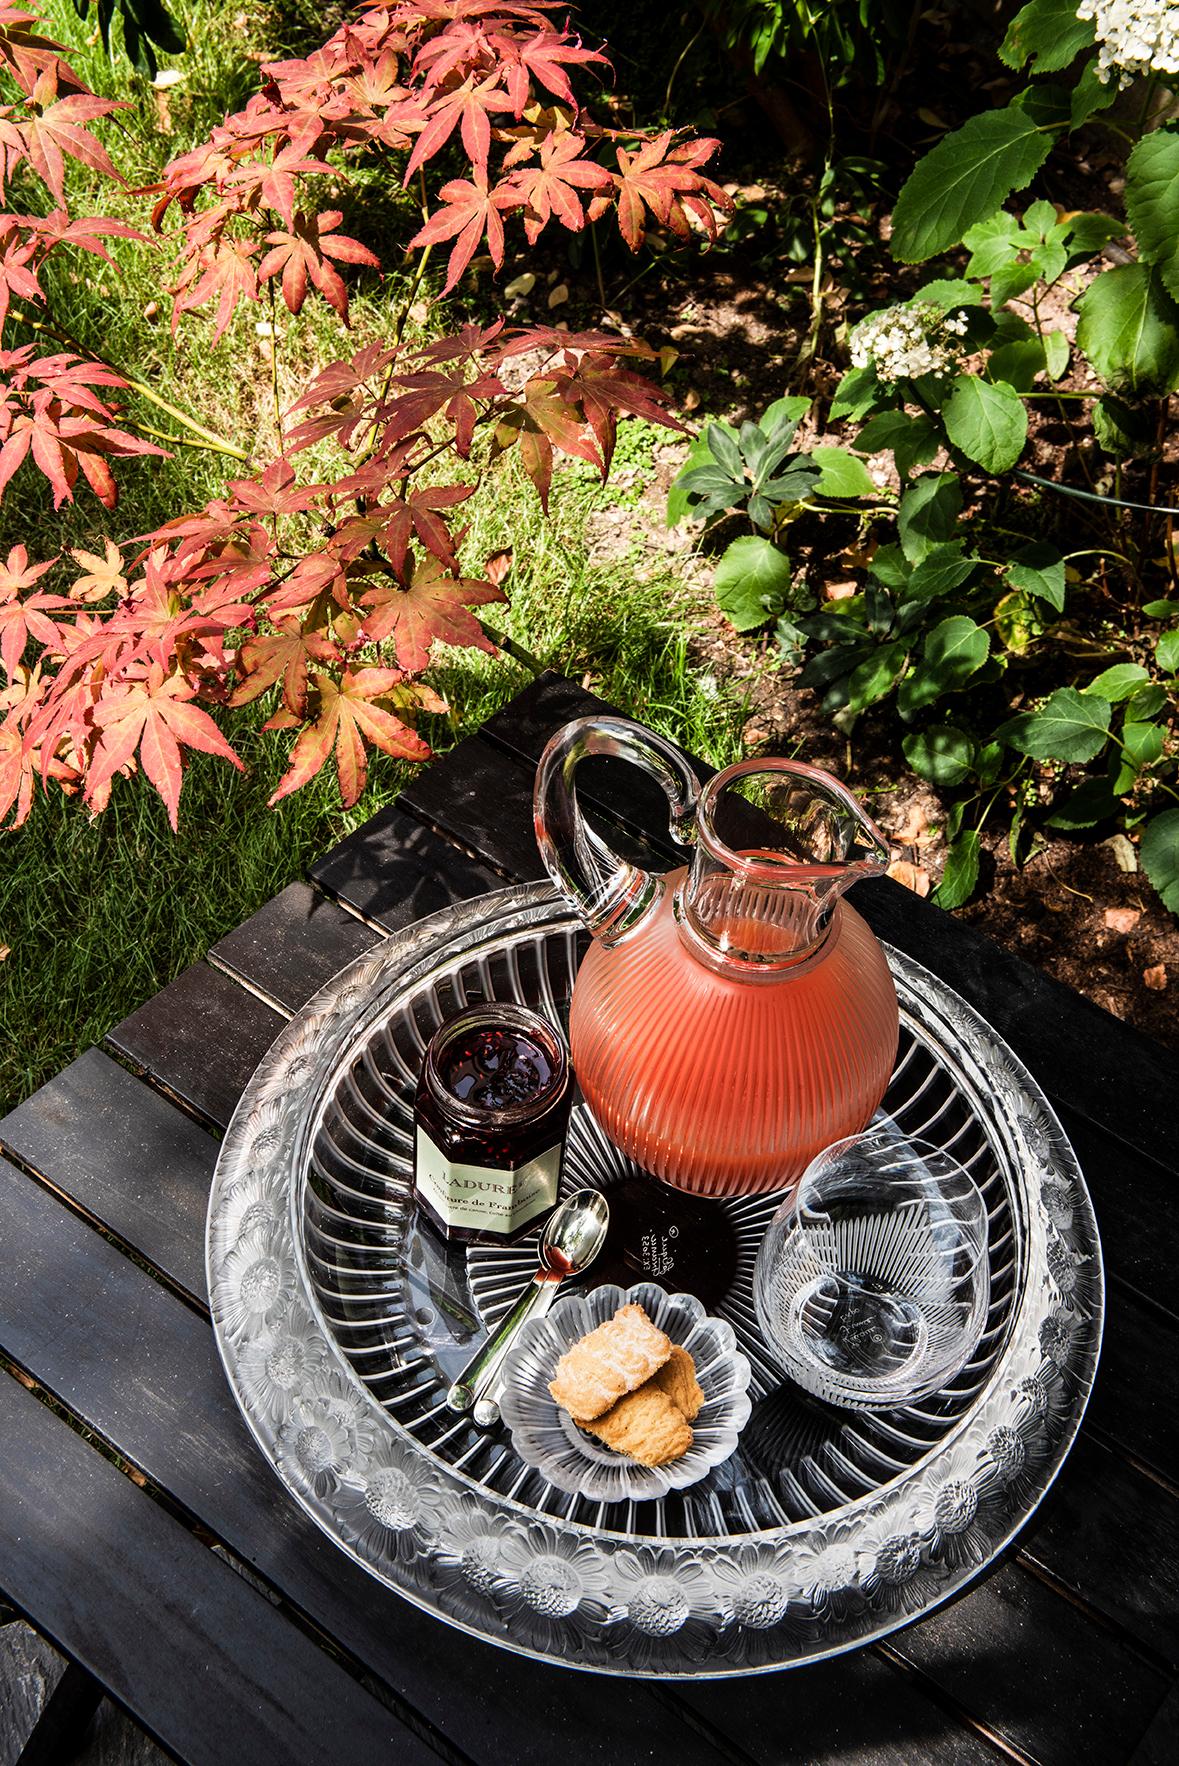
{"x": 491, "y": 1113}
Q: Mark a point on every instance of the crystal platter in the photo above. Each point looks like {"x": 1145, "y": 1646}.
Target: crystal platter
{"x": 341, "y": 1321}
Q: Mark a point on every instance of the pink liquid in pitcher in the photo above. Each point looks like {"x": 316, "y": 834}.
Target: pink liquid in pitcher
{"x": 722, "y": 1082}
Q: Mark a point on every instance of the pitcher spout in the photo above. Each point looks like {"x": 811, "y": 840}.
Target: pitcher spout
{"x": 778, "y": 843}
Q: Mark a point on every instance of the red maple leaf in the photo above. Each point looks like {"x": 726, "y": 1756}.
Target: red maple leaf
{"x": 550, "y": 189}
{"x": 156, "y": 717}
{"x": 53, "y": 131}
{"x": 223, "y": 269}
{"x": 470, "y": 209}
{"x": 18, "y": 274}
{"x": 542, "y": 57}
{"x": 349, "y": 715}
{"x": 271, "y": 183}
{"x": 287, "y": 651}
{"x": 273, "y": 492}
{"x": 19, "y": 618}
{"x": 434, "y": 609}
{"x": 663, "y": 178}
{"x": 303, "y": 253}
{"x": 467, "y": 105}
{"x": 28, "y": 56}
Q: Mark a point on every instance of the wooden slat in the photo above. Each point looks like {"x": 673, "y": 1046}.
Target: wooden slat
{"x": 1111, "y": 1535}
{"x": 473, "y": 798}
{"x": 394, "y": 871}
{"x": 1064, "y": 1689}
{"x": 1053, "y": 1029}
{"x": 1157, "y": 1747}
{"x": 140, "y": 1368}
{"x": 1132, "y": 1193}
{"x": 73, "y": 1360}
{"x": 128, "y": 1157}
{"x": 203, "y": 1662}
{"x": 292, "y": 946}
{"x": 1129, "y": 1407}
{"x": 201, "y": 1038}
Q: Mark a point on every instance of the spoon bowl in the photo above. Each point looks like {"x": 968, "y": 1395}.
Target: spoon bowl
{"x": 572, "y": 1237}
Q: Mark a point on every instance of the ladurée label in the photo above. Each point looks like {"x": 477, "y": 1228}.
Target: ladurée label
{"x": 482, "y": 1197}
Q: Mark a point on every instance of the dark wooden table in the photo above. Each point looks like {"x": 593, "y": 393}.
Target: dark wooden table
{"x": 144, "y": 1534}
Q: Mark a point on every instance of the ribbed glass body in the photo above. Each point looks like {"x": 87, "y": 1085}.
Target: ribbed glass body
{"x": 722, "y": 1082}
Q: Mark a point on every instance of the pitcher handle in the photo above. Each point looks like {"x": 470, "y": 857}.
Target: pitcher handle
{"x": 611, "y": 894}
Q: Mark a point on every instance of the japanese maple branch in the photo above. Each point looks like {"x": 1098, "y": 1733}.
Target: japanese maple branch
{"x": 209, "y": 439}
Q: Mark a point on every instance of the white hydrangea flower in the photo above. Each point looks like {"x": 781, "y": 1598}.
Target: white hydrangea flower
{"x": 904, "y": 342}
{"x": 1134, "y": 37}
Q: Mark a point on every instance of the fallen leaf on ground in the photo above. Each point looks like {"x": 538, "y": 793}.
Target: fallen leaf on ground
{"x": 914, "y": 877}
{"x": 840, "y": 591}
{"x": 5, "y": 951}
{"x": 1122, "y": 919}
{"x": 1124, "y": 854}
{"x": 559, "y": 295}
{"x": 1155, "y": 977}
{"x": 916, "y": 825}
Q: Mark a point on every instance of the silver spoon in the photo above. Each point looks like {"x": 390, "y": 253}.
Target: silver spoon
{"x": 571, "y": 1239}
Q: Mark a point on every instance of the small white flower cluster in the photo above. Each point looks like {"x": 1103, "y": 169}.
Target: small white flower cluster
{"x": 1135, "y": 37}
{"x": 904, "y": 342}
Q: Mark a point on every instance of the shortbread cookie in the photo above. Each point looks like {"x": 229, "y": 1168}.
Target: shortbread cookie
{"x": 608, "y": 1363}
{"x": 677, "y": 1377}
{"x": 646, "y": 1426}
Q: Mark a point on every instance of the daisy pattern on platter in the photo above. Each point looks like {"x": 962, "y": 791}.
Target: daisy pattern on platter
{"x": 326, "y": 1436}
{"x": 386, "y": 1509}
{"x": 561, "y": 1579}
{"x": 959, "y": 1507}
{"x": 827, "y": 1574}
{"x": 283, "y": 1361}
{"x": 468, "y": 1564}
{"x": 760, "y": 1590}
{"x": 663, "y": 1594}
{"x": 255, "y": 1284}
{"x": 895, "y": 1574}
{"x": 254, "y": 1205}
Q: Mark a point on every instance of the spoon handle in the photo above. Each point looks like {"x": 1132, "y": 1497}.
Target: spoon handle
{"x": 476, "y": 1386}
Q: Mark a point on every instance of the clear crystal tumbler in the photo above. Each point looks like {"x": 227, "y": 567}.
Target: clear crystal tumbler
{"x": 872, "y": 1283}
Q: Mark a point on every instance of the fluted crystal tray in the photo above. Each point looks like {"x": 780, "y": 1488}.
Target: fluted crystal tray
{"x": 342, "y": 1320}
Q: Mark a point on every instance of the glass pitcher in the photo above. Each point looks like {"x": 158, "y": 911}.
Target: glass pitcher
{"x": 733, "y": 1018}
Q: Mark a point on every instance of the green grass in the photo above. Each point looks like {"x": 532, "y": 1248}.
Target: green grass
{"x": 99, "y": 914}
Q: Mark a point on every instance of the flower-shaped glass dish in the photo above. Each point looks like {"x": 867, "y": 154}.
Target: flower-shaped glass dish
{"x": 546, "y": 1437}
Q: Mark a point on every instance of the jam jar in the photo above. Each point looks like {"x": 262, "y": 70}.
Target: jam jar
{"x": 490, "y": 1117}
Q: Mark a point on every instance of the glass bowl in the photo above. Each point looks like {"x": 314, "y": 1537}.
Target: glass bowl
{"x": 872, "y": 1283}
{"x": 574, "y": 1461}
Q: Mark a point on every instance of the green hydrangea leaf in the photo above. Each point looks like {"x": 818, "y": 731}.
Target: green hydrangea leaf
{"x": 1038, "y": 570}
{"x": 753, "y": 580}
{"x": 1167, "y": 652}
{"x": 965, "y": 178}
{"x": 954, "y": 650}
{"x": 941, "y": 754}
{"x": 1117, "y": 683}
{"x": 1068, "y": 727}
{"x": 987, "y": 420}
{"x": 1093, "y": 801}
{"x": 1048, "y": 33}
{"x": 1129, "y": 330}
{"x": 1152, "y": 203}
{"x": 928, "y": 512}
{"x": 841, "y": 474}
{"x": 960, "y": 876}
{"x": 1160, "y": 856}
